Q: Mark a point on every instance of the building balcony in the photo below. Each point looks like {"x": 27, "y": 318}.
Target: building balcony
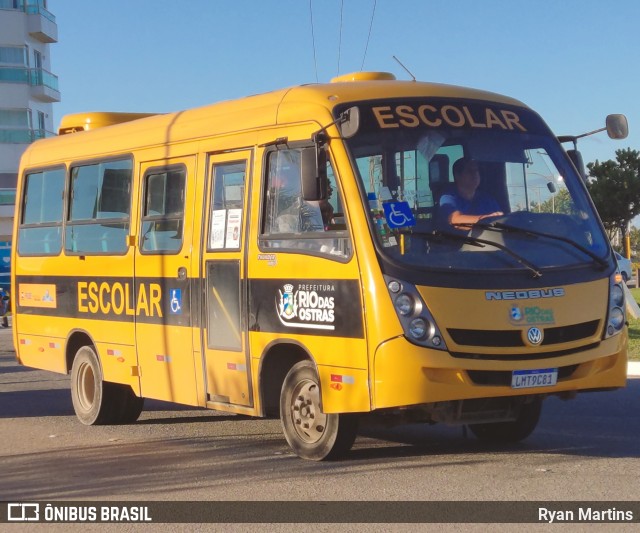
{"x": 41, "y": 24}
{"x": 21, "y": 136}
{"x": 45, "y": 84}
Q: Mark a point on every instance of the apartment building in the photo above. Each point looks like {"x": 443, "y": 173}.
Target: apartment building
{"x": 28, "y": 90}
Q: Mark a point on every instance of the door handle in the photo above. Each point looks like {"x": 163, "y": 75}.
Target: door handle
{"x": 182, "y": 273}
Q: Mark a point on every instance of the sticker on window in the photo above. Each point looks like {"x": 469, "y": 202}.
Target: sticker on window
{"x": 398, "y": 214}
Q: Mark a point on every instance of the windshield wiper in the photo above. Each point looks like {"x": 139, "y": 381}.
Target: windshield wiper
{"x": 475, "y": 241}
{"x": 501, "y": 226}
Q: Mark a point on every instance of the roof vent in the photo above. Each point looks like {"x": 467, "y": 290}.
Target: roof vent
{"x": 364, "y": 76}
{"x": 91, "y": 121}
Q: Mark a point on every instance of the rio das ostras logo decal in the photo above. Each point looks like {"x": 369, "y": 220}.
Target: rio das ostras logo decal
{"x": 307, "y": 305}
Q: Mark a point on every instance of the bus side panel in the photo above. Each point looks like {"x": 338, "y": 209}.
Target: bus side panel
{"x": 39, "y": 351}
{"x": 54, "y": 310}
{"x": 164, "y": 278}
{"x": 328, "y": 324}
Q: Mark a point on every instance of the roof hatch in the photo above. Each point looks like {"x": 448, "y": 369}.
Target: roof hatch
{"x": 364, "y": 76}
{"x": 91, "y": 121}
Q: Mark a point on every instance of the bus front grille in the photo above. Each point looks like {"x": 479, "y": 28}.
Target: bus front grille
{"x": 513, "y": 338}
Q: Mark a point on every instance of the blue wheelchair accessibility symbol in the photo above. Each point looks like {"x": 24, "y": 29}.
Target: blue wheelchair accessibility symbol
{"x": 175, "y": 301}
{"x": 398, "y": 214}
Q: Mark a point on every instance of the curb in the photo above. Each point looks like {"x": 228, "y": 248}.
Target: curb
{"x": 633, "y": 369}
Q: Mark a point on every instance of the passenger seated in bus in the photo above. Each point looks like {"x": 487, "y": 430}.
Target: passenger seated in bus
{"x": 462, "y": 204}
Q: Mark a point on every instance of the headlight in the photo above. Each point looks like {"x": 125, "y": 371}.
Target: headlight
{"x": 405, "y": 304}
{"x": 616, "y": 318}
{"x": 616, "y": 295}
{"x": 418, "y": 328}
{"x": 417, "y": 322}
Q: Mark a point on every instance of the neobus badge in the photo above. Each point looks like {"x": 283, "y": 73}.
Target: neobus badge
{"x": 525, "y": 295}
{"x": 307, "y": 306}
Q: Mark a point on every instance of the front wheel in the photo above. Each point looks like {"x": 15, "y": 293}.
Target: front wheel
{"x": 510, "y": 432}
{"x": 311, "y": 433}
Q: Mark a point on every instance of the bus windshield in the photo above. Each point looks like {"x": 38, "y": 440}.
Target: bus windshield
{"x": 527, "y": 205}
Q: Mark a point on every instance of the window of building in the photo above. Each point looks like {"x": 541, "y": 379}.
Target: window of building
{"x": 8, "y": 197}
{"x": 163, "y": 210}
{"x": 40, "y": 230}
{"x": 42, "y": 121}
{"x": 13, "y": 55}
{"x": 15, "y": 118}
{"x": 99, "y": 208}
{"x": 15, "y": 126}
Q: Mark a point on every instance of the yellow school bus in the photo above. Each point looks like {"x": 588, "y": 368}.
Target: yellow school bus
{"x": 292, "y": 254}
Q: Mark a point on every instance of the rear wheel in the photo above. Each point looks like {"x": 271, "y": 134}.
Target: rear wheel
{"x": 311, "y": 433}
{"x": 514, "y": 431}
{"x": 95, "y": 401}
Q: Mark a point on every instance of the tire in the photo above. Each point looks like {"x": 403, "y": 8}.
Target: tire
{"x": 126, "y": 405}
{"x": 510, "y": 432}
{"x": 134, "y": 406}
{"x": 95, "y": 401}
{"x": 625, "y": 277}
{"x": 312, "y": 434}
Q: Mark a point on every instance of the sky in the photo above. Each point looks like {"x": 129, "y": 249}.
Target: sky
{"x": 573, "y": 61}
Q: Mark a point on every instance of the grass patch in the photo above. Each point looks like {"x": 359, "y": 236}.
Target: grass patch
{"x": 634, "y": 331}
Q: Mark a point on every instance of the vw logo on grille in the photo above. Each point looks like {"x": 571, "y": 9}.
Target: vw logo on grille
{"x": 534, "y": 336}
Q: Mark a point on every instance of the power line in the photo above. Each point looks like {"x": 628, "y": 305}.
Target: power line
{"x": 369, "y": 36}
{"x": 340, "y": 37}
{"x": 313, "y": 40}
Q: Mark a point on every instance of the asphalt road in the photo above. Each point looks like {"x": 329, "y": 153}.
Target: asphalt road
{"x": 584, "y": 449}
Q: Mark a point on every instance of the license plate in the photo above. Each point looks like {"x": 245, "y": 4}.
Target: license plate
{"x": 525, "y": 379}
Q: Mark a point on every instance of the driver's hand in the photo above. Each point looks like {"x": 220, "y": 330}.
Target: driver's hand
{"x": 494, "y": 214}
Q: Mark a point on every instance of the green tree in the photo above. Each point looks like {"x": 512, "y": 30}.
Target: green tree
{"x": 615, "y": 189}
{"x": 560, "y": 202}
{"x": 634, "y": 237}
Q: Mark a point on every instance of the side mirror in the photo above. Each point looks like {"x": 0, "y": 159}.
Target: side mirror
{"x": 350, "y": 122}
{"x": 313, "y": 172}
{"x": 576, "y": 159}
{"x": 617, "y": 126}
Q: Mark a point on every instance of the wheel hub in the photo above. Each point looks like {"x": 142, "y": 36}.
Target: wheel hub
{"x": 308, "y": 420}
{"x": 86, "y": 387}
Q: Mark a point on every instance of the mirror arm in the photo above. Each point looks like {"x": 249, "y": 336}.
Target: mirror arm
{"x": 321, "y": 135}
{"x": 320, "y": 138}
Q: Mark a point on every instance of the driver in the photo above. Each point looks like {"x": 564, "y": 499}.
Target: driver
{"x": 463, "y": 204}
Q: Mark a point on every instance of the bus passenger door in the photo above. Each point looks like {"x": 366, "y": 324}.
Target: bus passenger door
{"x": 164, "y": 338}
{"x": 224, "y": 323}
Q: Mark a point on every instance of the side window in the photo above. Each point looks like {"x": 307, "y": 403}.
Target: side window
{"x": 99, "y": 208}
{"x": 40, "y": 230}
{"x": 284, "y": 206}
{"x": 163, "y": 210}
{"x": 290, "y": 221}
{"x": 225, "y": 222}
